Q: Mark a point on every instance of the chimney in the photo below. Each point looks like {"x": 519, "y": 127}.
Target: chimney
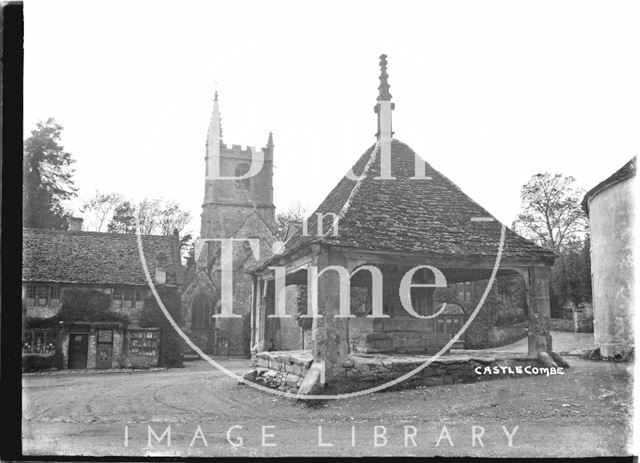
{"x": 161, "y": 268}
{"x": 75, "y": 224}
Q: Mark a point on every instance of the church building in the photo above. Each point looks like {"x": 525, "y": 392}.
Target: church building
{"x": 238, "y": 204}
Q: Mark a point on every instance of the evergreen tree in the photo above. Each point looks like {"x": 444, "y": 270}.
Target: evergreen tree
{"x": 47, "y": 176}
{"x": 124, "y": 219}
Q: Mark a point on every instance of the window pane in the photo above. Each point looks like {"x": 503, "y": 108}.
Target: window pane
{"x": 105, "y": 335}
{"x": 39, "y": 342}
{"x": 27, "y": 342}
{"x": 42, "y": 294}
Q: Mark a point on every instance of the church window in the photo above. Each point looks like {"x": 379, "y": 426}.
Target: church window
{"x": 242, "y": 183}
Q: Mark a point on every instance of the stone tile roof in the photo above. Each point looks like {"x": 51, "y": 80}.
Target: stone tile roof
{"x": 426, "y": 216}
{"x": 625, "y": 172}
{"x": 95, "y": 258}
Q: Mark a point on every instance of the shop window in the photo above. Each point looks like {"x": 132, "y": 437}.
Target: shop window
{"x": 39, "y": 342}
{"x": 143, "y": 342}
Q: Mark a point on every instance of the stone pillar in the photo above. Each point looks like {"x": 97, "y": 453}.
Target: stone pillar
{"x": 539, "y": 310}
{"x": 330, "y": 334}
{"x": 260, "y": 315}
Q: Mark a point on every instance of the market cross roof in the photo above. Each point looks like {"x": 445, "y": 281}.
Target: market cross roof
{"x": 96, "y": 258}
{"x": 430, "y": 215}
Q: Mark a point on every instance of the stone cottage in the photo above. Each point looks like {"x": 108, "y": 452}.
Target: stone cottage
{"x": 54, "y": 261}
{"x": 610, "y": 207}
{"x": 396, "y": 227}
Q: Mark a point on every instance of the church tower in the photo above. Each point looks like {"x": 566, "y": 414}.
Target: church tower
{"x": 238, "y": 203}
{"x": 228, "y": 197}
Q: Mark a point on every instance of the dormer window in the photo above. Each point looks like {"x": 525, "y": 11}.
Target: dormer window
{"x": 242, "y": 183}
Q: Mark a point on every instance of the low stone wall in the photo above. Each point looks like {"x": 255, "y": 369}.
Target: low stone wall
{"x": 282, "y": 370}
{"x": 394, "y": 335}
{"x": 445, "y": 370}
{"x": 584, "y": 325}
{"x": 580, "y": 323}
{"x": 285, "y": 371}
{"x": 562, "y": 324}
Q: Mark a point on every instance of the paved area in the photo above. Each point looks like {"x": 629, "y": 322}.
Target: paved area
{"x": 563, "y": 343}
{"x": 582, "y": 413}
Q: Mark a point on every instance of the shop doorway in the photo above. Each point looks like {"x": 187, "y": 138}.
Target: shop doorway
{"x": 104, "y": 357}
{"x": 78, "y": 347}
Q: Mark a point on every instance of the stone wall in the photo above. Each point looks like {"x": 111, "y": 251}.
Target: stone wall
{"x": 561, "y": 324}
{"x": 445, "y": 370}
{"x": 394, "y": 335}
{"x": 611, "y": 218}
{"x": 285, "y": 333}
{"x": 579, "y": 324}
{"x": 282, "y": 370}
{"x": 286, "y": 370}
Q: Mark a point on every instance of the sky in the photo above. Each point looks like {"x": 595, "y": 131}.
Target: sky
{"x": 489, "y": 93}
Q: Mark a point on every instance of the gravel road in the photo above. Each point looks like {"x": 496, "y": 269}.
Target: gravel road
{"x": 582, "y": 413}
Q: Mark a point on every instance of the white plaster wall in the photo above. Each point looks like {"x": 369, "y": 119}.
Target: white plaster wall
{"x": 611, "y": 218}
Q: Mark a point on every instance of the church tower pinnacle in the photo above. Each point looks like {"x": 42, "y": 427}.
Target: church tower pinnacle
{"x": 233, "y": 191}
{"x": 214, "y": 136}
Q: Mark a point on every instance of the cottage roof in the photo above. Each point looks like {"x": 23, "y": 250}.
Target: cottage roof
{"x": 429, "y": 215}
{"x": 625, "y": 172}
{"x": 96, "y": 258}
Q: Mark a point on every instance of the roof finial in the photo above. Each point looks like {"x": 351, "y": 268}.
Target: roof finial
{"x": 383, "y": 89}
{"x": 270, "y": 140}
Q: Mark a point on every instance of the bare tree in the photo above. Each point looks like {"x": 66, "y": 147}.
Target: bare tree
{"x": 156, "y": 216}
{"x": 296, "y": 212}
{"x": 99, "y": 209}
{"x": 148, "y": 211}
{"x": 171, "y": 217}
{"x": 551, "y": 213}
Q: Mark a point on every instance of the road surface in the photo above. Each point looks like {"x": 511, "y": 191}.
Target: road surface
{"x": 582, "y": 413}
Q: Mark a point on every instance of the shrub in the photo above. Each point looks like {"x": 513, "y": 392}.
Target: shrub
{"x": 39, "y": 362}
{"x": 90, "y": 305}
{"x": 151, "y": 316}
